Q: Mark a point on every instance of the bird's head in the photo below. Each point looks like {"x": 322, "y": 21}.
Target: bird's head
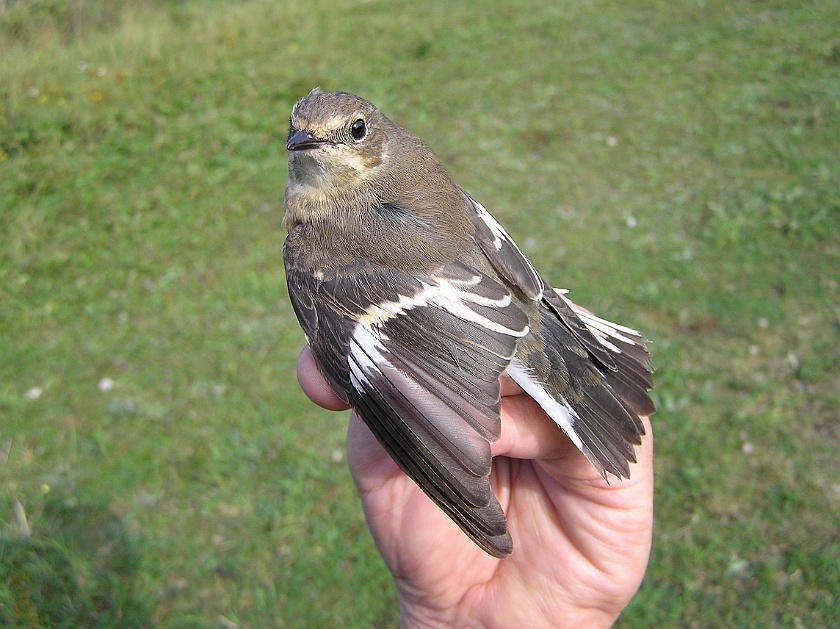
{"x": 346, "y": 158}
{"x": 339, "y": 148}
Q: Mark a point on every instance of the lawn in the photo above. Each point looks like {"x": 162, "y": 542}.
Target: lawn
{"x": 675, "y": 165}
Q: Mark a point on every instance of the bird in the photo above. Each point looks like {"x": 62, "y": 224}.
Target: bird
{"x": 414, "y": 301}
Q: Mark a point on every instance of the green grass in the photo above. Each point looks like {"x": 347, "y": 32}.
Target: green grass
{"x": 676, "y": 165}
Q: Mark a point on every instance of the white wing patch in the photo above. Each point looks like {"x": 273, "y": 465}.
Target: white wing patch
{"x": 456, "y": 301}
{"x": 385, "y": 310}
{"x": 448, "y": 295}
{"x": 560, "y": 411}
{"x": 368, "y": 353}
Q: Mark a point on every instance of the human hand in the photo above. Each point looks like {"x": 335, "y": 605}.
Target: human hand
{"x": 581, "y": 545}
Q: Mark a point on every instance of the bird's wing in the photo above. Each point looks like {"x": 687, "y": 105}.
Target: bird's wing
{"x": 511, "y": 264}
{"x": 503, "y": 253}
{"x": 419, "y": 358}
{"x": 591, "y": 376}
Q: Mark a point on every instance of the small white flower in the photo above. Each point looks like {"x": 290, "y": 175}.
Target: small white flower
{"x": 755, "y": 350}
{"x": 101, "y": 71}
{"x": 34, "y": 91}
{"x": 738, "y": 567}
{"x": 747, "y": 448}
{"x": 106, "y": 384}
{"x": 34, "y": 393}
{"x": 612, "y": 141}
{"x": 631, "y": 221}
{"x": 82, "y": 66}
{"x": 763, "y": 323}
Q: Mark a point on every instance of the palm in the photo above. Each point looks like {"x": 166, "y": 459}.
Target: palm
{"x": 580, "y": 544}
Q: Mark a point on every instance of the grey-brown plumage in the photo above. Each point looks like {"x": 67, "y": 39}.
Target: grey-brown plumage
{"x": 414, "y": 301}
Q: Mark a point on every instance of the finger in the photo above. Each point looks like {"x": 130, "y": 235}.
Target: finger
{"x": 509, "y": 387}
{"x": 370, "y": 465}
{"x": 315, "y": 385}
{"x": 527, "y": 431}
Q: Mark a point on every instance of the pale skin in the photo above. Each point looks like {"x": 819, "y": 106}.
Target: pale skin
{"x": 581, "y": 545}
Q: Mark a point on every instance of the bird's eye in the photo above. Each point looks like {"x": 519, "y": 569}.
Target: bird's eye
{"x": 358, "y": 129}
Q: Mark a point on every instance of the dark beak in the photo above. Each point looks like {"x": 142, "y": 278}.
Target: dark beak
{"x": 302, "y": 140}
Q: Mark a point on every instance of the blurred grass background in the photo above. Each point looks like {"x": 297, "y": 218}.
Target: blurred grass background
{"x": 676, "y": 165}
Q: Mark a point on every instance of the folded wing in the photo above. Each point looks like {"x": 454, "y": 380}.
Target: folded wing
{"x": 591, "y": 376}
{"x": 421, "y": 360}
